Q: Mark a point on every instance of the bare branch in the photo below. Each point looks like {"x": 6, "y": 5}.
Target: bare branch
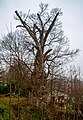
{"x": 50, "y": 27}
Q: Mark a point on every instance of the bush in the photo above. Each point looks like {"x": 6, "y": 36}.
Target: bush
{"x": 4, "y": 89}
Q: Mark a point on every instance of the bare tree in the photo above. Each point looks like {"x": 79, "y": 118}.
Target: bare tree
{"x": 14, "y": 53}
{"x": 41, "y": 47}
{"x": 49, "y": 45}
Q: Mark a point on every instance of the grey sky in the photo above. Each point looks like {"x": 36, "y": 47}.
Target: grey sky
{"x": 72, "y": 18}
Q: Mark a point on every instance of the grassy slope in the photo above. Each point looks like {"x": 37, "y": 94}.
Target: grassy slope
{"x": 4, "y": 106}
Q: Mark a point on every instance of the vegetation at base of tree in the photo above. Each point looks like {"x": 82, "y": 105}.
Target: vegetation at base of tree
{"x": 30, "y": 112}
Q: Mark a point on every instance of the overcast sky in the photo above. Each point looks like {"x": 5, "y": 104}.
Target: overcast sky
{"x": 72, "y": 18}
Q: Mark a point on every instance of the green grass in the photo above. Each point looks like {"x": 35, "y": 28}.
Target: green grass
{"x": 4, "y": 106}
